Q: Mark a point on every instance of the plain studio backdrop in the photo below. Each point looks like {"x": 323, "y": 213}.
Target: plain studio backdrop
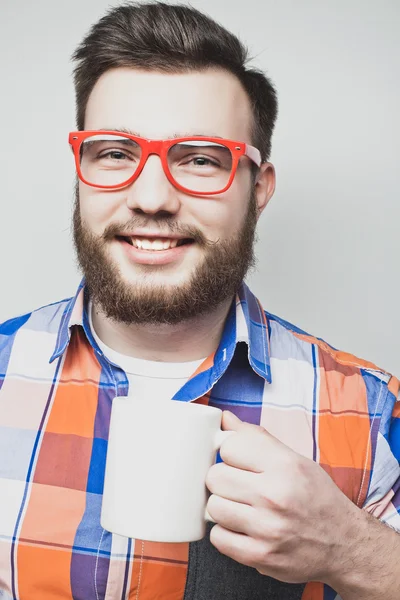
{"x": 329, "y": 243}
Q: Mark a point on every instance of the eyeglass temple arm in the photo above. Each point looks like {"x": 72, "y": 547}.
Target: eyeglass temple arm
{"x": 254, "y": 154}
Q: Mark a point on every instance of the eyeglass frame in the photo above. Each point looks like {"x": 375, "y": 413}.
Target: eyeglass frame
{"x": 161, "y": 148}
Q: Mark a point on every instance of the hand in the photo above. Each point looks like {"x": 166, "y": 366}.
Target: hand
{"x": 278, "y": 511}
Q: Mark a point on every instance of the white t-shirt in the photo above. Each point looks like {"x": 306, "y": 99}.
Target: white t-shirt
{"x": 148, "y": 378}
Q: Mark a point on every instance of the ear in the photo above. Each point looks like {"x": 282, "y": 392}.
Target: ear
{"x": 264, "y": 185}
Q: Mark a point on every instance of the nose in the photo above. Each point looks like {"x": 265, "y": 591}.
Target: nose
{"x": 152, "y": 193}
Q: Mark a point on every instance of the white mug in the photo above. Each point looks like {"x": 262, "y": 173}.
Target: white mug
{"x": 159, "y": 453}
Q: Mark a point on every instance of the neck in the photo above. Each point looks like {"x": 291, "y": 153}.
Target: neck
{"x": 186, "y": 341}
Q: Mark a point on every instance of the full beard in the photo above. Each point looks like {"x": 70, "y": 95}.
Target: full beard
{"x": 218, "y": 276}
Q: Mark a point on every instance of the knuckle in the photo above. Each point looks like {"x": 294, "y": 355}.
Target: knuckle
{"x": 261, "y": 556}
{"x": 255, "y": 432}
{"x": 278, "y": 532}
{"x": 306, "y": 467}
{"x": 278, "y": 497}
{"x": 284, "y": 499}
{"x": 261, "y": 429}
{"x": 272, "y": 531}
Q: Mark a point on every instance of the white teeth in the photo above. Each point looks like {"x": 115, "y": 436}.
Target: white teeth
{"x": 147, "y": 244}
{"x": 158, "y": 244}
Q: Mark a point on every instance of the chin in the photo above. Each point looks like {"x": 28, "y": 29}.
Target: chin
{"x": 155, "y": 277}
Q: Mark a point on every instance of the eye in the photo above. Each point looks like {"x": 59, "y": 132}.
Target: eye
{"x": 114, "y": 154}
{"x": 199, "y": 160}
{"x": 203, "y": 161}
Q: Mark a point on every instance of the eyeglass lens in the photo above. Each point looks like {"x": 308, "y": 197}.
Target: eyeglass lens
{"x": 200, "y": 166}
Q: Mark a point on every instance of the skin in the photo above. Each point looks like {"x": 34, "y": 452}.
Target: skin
{"x": 267, "y": 512}
{"x": 204, "y": 103}
{"x": 270, "y": 517}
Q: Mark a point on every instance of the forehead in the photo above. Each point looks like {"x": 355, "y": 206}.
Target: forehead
{"x": 159, "y": 105}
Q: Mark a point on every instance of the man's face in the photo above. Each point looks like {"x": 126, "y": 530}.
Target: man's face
{"x": 218, "y": 231}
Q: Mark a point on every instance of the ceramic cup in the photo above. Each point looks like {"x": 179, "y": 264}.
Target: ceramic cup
{"x": 158, "y": 456}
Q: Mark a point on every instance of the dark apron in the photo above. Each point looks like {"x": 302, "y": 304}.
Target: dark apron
{"x": 214, "y": 576}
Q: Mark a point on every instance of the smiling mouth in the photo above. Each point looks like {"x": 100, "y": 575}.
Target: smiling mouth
{"x": 155, "y": 244}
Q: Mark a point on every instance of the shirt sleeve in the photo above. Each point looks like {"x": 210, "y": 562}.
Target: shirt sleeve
{"x": 383, "y": 498}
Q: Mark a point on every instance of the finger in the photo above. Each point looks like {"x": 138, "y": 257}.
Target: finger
{"x": 233, "y": 484}
{"x": 247, "y": 449}
{"x": 235, "y": 516}
{"x": 230, "y": 421}
{"x": 238, "y": 546}
{"x": 252, "y": 448}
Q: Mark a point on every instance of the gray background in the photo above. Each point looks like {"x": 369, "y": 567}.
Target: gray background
{"x": 328, "y": 245}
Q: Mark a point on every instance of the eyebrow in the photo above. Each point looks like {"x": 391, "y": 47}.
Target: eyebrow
{"x": 174, "y": 136}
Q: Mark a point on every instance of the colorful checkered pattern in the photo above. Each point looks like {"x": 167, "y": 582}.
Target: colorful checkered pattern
{"x": 56, "y": 391}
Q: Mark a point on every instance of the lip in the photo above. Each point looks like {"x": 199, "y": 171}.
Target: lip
{"x": 153, "y": 257}
{"x": 152, "y": 235}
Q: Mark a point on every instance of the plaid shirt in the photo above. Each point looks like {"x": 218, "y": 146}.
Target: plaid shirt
{"x": 56, "y": 391}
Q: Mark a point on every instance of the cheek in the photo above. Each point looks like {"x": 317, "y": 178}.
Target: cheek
{"x": 221, "y": 217}
{"x": 97, "y": 209}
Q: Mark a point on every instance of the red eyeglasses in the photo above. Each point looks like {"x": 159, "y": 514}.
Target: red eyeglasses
{"x": 196, "y": 165}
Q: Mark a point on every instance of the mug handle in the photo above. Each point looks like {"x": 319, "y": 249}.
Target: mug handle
{"x": 219, "y": 440}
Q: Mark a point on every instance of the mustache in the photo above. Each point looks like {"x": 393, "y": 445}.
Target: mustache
{"x": 164, "y": 225}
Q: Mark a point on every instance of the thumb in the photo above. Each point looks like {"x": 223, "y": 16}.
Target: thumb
{"x": 231, "y": 422}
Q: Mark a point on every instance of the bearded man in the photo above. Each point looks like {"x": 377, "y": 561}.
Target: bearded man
{"x": 172, "y": 155}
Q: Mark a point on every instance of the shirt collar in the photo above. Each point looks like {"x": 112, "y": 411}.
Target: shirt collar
{"x": 246, "y": 322}
{"x": 252, "y": 327}
{"x": 73, "y": 314}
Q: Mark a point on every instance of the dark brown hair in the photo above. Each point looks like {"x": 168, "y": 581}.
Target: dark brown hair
{"x": 171, "y": 38}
